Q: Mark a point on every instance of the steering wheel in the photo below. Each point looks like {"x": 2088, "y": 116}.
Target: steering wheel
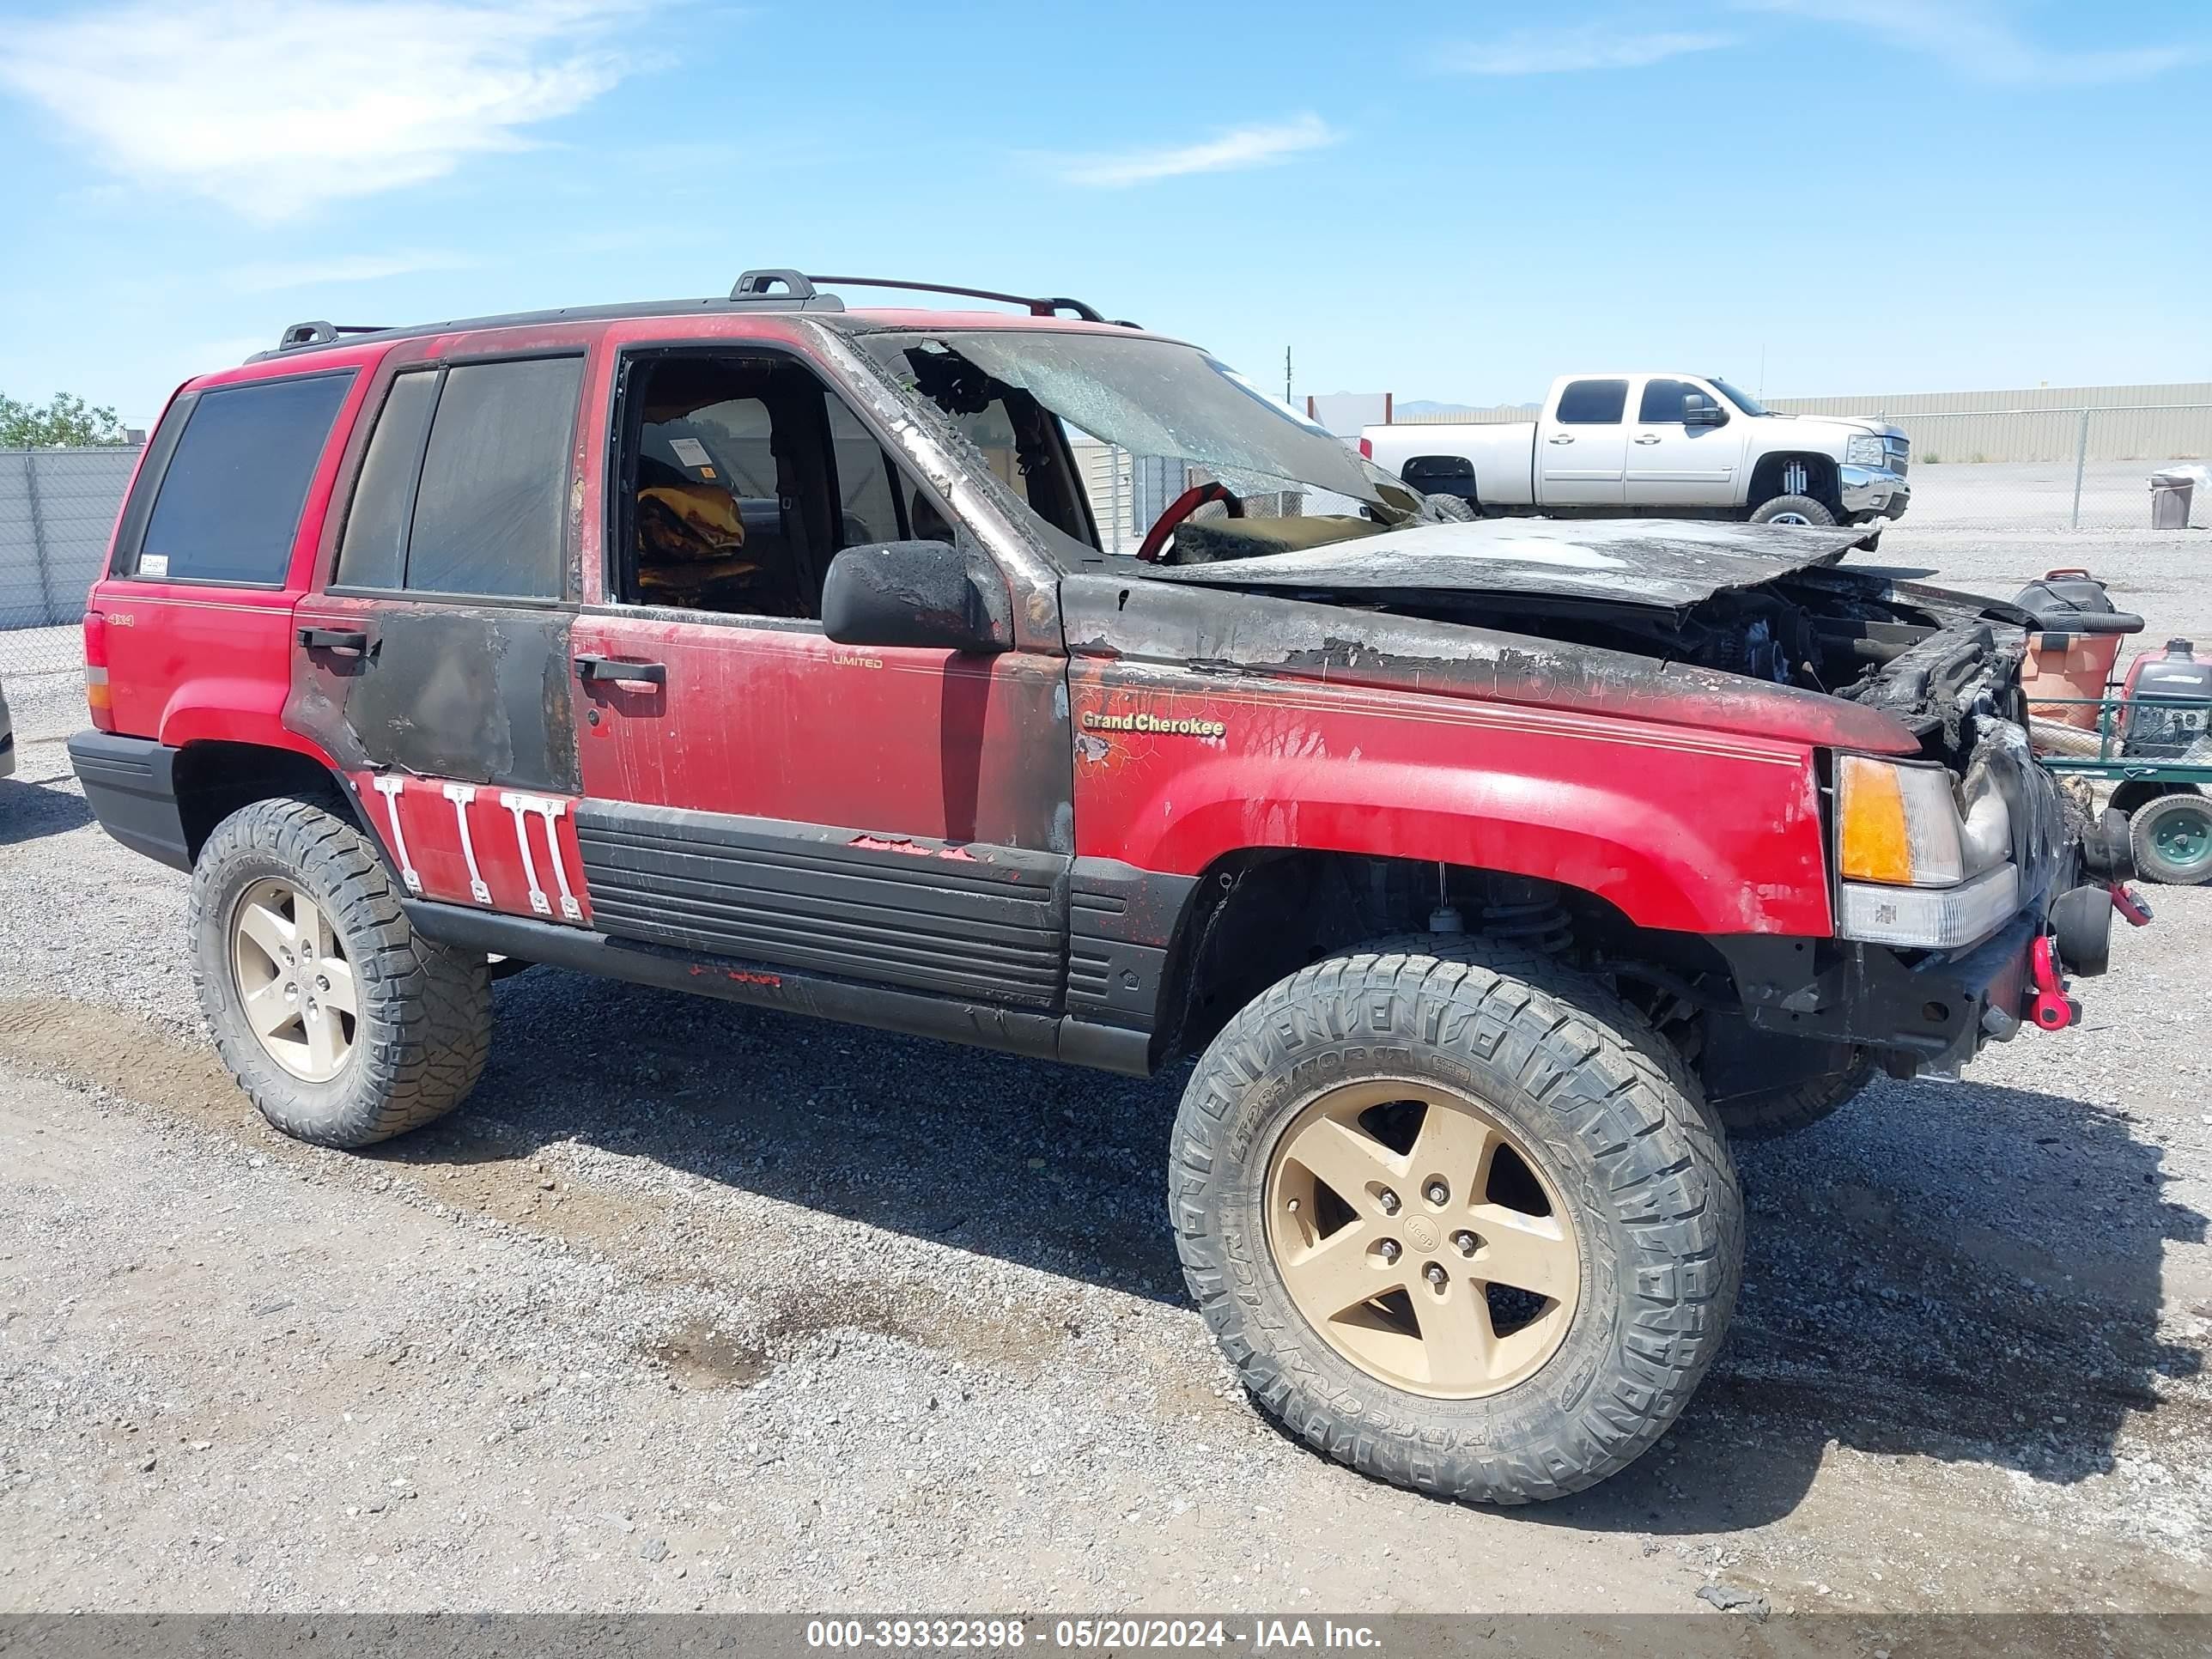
{"x": 1182, "y": 507}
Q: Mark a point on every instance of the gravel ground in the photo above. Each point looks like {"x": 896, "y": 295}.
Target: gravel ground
{"x": 2037, "y": 496}
{"x": 694, "y": 1305}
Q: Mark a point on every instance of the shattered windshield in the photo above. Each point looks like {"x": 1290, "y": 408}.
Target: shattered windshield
{"x": 1102, "y": 437}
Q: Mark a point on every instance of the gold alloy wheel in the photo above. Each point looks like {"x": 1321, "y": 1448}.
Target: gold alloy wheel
{"x": 1447, "y": 1269}
{"x": 294, "y": 981}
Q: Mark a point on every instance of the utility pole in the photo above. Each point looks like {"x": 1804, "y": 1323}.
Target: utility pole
{"x": 1286, "y": 374}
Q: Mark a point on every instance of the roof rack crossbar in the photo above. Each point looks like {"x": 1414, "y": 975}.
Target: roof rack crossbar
{"x": 1037, "y": 307}
{"x": 319, "y": 333}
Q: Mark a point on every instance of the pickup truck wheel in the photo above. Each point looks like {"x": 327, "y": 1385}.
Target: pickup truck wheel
{"x": 1459, "y": 1217}
{"x": 2173, "y": 839}
{"x": 1777, "y": 1112}
{"x": 1792, "y": 509}
{"x": 341, "y": 1023}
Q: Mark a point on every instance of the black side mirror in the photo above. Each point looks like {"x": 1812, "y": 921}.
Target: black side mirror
{"x": 1702, "y": 414}
{"x": 920, "y": 594}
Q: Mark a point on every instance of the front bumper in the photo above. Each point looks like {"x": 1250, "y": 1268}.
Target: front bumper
{"x": 1873, "y": 491}
{"x": 1929, "y": 1009}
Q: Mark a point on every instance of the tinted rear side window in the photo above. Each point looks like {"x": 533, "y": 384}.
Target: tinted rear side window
{"x": 1593, "y": 403}
{"x": 230, "y": 498}
{"x": 374, "y": 551}
{"x": 489, "y": 508}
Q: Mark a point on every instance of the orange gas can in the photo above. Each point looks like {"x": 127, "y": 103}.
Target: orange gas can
{"x": 2077, "y": 641}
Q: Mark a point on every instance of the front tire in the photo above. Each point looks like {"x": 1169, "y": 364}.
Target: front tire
{"x": 342, "y": 1025}
{"x": 1774, "y": 1113}
{"x": 1518, "y": 1170}
{"x": 1792, "y": 510}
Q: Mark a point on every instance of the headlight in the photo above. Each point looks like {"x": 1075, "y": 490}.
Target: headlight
{"x": 1897, "y": 824}
{"x": 1948, "y": 920}
{"x": 1914, "y": 872}
{"x": 1864, "y": 452}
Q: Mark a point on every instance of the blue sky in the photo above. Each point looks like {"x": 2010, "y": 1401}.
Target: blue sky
{"x": 1450, "y": 202}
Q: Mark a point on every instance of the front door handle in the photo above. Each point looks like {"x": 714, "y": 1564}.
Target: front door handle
{"x": 353, "y": 641}
{"x": 1649, "y": 438}
{"x": 613, "y": 670}
{"x": 1563, "y": 437}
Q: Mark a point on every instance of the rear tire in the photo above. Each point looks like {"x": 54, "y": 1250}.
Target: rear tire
{"x": 341, "y": 1023}
{"x": 1612, "y": 1139}
{"x": 1777, "y": 1112}
{"x": 1792, "y": 510}
{"x": 2173, "y": 839}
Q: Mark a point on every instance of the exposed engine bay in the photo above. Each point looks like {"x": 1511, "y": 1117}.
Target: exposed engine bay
{"x": 1937, "y": 661}
{"x": 1771, "y": 608}
{"x": 1772, "y": 605}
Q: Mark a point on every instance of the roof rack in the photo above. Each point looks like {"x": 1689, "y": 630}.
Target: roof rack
{"x": 315, "y": 334}
{"x": 774, "y": 290}
{"x": 756, "y": 284}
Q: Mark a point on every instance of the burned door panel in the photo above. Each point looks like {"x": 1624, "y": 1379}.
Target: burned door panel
{"x": 475, "y": 694}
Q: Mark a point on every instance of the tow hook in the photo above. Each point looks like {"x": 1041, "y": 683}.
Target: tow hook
{"x": 2050, "y": 1008}
{"x": 2131, "y": 905}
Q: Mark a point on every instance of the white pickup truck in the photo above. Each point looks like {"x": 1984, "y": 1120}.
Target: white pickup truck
{"x": 1656, "y": 445}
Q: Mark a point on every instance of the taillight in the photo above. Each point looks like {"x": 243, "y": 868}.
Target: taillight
{"x": 1366, "y": 449}
{"x": 95, "y": 671}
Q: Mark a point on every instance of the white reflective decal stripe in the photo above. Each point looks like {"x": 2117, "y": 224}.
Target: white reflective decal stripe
{"x": 461, "y": 794}
{"x": 389, "y": 786}
{"x": 552, "y": 808}
{"x": 519, "y": 806}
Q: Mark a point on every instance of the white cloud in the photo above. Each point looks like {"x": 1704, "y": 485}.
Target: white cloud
{"x": 1561, "y": 52}
{"x": 1979, "y": 40}
{"x": 274, "y": 277}
{"x": 271, "y": 108}
{"x": 1232, "y": 151}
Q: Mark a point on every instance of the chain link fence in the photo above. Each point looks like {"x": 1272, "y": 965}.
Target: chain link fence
{"x": 58, "y": 509}
{"x": 2085, "y": 469}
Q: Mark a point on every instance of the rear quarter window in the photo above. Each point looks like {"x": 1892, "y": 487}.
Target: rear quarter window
{"x": 227, "y": 505}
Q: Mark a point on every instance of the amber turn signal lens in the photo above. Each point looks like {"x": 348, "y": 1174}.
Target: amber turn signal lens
{"x": 1874, "y": 841}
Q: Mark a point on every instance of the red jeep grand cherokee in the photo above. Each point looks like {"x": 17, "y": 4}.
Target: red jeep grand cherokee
{"x": 764, "y": 648}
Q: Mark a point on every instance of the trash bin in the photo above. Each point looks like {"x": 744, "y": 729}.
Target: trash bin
{"x": 2171, "y": 492}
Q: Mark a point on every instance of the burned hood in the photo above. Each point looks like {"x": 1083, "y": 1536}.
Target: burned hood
{"x": 1658, "y": 564}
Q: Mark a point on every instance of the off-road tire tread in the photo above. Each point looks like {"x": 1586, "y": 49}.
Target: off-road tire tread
{"x": 1672, "y": 1183}
{"x": 1776, "y": 1112}
{"x": 435, "y": 1002}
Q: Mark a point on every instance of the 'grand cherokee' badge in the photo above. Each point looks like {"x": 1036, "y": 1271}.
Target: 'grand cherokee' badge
{"x": 1143, "y": 720}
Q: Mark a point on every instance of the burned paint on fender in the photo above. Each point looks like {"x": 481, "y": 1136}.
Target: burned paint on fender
{"x": 1578, "y": 777}
{"x": 1232, "y": 633}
